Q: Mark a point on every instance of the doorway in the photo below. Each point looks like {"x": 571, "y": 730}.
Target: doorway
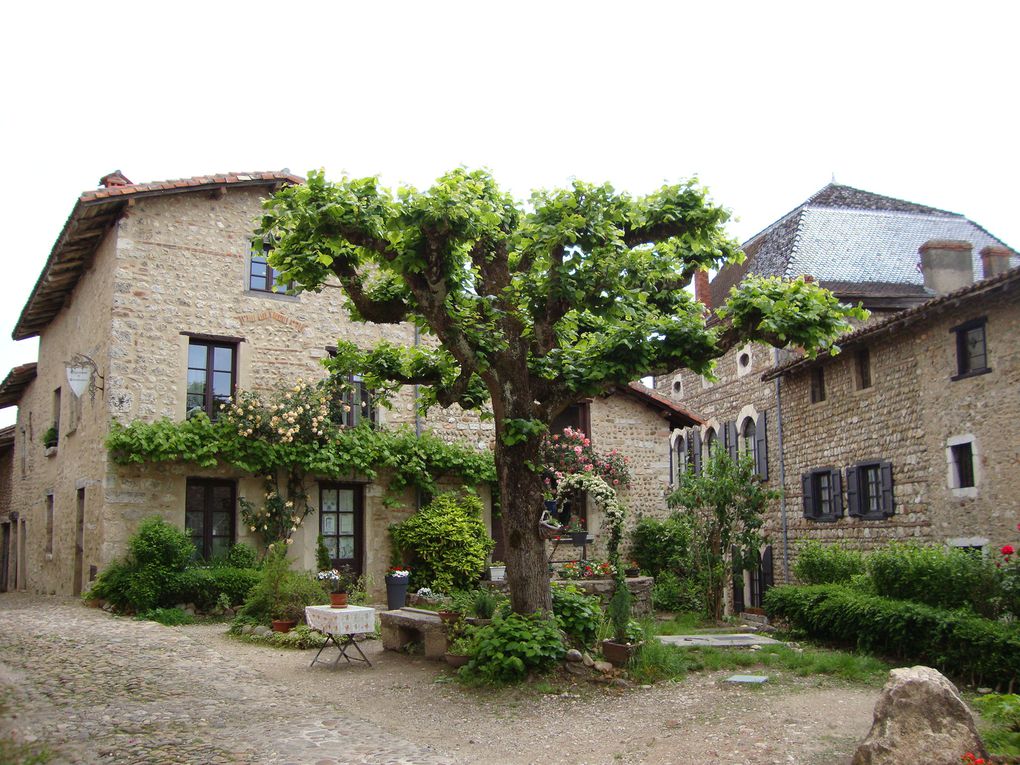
{"x": 79, "y": 542}
{"x": 342, "y": 524}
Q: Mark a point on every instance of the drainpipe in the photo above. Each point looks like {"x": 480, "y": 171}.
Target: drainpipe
{"x": 782, "y": 482}
{"x": 417, "y": 418}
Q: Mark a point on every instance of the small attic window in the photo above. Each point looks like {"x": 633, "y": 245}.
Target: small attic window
{"x": 678, "y": 386}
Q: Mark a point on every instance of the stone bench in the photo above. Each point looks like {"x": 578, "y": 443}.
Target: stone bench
{"x": 409, "y": 625}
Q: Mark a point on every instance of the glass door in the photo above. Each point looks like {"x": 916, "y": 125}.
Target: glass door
{"x": 341, "y": 522}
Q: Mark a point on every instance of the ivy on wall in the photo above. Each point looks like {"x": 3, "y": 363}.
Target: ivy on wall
{"x": 297, "y": 432}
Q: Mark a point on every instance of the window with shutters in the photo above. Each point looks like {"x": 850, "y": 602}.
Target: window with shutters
{"x": 680, "y": 457}
{"x": 971, "y": 349}
{"x": 817, "y": 385}
{"x": 823, "y": 494}
{"x": 869, "y": 490}
{"x": 730, "y": 440}
{"x": 694, "y": 451}
{"x": 754, "y": 441}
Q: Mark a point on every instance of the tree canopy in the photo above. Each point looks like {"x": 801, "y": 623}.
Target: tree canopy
{"x": 532, "y": 306}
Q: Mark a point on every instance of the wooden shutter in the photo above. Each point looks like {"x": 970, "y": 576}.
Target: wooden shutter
{"x": 672, "y": 467}
{"x": 761, "y": 444}
{"x": 837, "y": 493}
{"x": 767, "y": 570}
{"x": 738, "y": 584}
{"x": 853, "y": 492}
{"x": 809, "y": 495}
{"x": 730, "y": 439}
{"x": 697, "y": 452}
{"x": 888, "y": 504}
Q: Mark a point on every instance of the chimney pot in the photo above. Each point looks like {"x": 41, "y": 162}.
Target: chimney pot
{"x": 701, "y": 289}
{"x": 994, "y": 260}
{"x": 946, "y": 265}
{"x": 114, "y": 179}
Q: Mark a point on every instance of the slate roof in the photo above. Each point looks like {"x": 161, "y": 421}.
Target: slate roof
{"x": 856, "y": 243}
{"x": 93, "y": 215}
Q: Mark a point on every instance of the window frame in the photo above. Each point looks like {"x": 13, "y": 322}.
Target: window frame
{"x": 813, "y": 507}
{"x": 964, "y": 476}
{"x": 208, "y": 484}
{"x": 271, "y": 274}
{"x": 964, "y": 361}
{"x": 209, "y": 404}
{"x": 863, "y": 368}
{"x": 358, "y": 532}
{"x": 859, "y": 495}
{"x": 818, "y": 384}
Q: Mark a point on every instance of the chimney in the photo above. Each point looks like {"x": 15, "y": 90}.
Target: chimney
{"x": 994, "y": 260}
{"x": 114, "y": 179}
{"x": 701, "y": 289}
{"x": 946, "y": 265}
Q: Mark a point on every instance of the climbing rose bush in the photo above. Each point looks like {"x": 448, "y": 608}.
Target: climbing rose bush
{"x": 571, "y": 452}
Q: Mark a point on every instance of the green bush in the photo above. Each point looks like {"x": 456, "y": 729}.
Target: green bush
{"x": 281, "y": 592}
{"x": 506, "y": 650}
{"x": 147, "y": 578}
{"x": 242, "y": 556}
{"x": 578, "y": 614}
{"x": 671, "y": 593}
{"x": 957, "y": 642}
{"x": 204, "y": 585}
{"x": 819, "y": 563}
{"x": 447, "y": 541}
{"x": 1002, "y": 711}
{"x": 937, "y": 576}
{"x": 659, "y": 546}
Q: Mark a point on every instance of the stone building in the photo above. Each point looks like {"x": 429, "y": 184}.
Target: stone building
{"x": 161, "y": 295}
{"x": 875, "y": 413}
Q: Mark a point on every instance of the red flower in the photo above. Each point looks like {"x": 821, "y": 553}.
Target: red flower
{"x": 1007, "y": 550}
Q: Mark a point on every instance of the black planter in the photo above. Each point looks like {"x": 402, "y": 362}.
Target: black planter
{"x": 396, "y": 592}
{"x": 578, "y": 537}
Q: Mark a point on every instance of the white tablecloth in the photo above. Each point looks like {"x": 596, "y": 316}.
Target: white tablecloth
{"x": 341, "y": 621}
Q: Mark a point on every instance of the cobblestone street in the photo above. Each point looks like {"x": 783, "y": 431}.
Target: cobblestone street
{"x": 97, "y": 689}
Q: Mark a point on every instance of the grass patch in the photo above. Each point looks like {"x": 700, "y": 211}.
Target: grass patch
{"x": 680, "y": 624}
{"x": 168, "y": 617}
{"x": 657, "y": 662}
{"x": 22, "y": 754}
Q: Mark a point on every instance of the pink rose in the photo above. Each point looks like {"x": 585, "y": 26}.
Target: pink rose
{"x": 587, "y": 468}
{"x": 577, "y": 450}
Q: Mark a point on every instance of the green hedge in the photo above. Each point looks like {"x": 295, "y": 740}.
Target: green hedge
{"x": 957, "y": 642}
{"x": 203, "y": 586}
{"x": 819, "y": 563}
{"x": 938, "y": 576}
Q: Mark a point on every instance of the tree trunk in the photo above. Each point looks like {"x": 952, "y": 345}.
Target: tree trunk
{"x": 527, "y": 569}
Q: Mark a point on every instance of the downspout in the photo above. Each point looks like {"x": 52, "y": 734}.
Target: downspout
{"x": 417, "y": 418}
{"x": 782, "y": 482}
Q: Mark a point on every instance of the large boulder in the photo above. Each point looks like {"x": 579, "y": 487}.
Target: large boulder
{"x": 919, "y": 717}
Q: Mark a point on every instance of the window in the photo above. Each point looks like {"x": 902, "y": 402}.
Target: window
{"x": 681, "y": 458}
{"x": 963, "y": 465}
{"x": 863, "y": 363}
{"x": 869, "y": 490}
{"x": 49, "y": 524}
{"x": 209, "y": 516}
{"x": 56, "y": 415}
{"x": 971, "y": 349}
{"x": 711, "y": 444}
{"x": 262, "y": 277}
{"x": 341, "y": 521}
{"x": 747, "y": 437}
{"x": 817, "y": 385}
{"x": 754, "y": 441}
{"x": 212, "y": 376}
{"x": 823, "y": 494}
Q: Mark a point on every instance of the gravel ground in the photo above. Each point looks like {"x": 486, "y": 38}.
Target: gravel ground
{"x": 100, "y": 689}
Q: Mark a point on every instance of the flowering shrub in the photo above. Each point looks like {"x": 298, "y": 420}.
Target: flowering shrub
{"x": 587, "y": 569}
{"x": 572, "y": 452}
{"x": 338, "y": 580}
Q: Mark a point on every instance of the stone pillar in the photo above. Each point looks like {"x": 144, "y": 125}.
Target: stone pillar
{"x": 946, "y": 265}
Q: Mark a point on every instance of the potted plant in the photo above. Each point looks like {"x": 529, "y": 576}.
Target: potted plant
{"x": 497, "y": 571}
{"x": 632, "y": 569}
{"x": 459, "y": 651}
{"x": 338, "y": 582}
{"x": 396, "y": 586}
{"x": 483, "y": 604}
{"x": 575, "y": 529}
{"x": 50, "y": 437}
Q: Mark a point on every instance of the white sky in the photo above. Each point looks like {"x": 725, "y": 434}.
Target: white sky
{"x": 764, "y": 102}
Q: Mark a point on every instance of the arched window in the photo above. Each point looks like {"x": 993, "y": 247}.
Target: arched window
{"x": 747, "y": 438}
{"x": 681, "y": 455}
{"x": 711, "y": 444}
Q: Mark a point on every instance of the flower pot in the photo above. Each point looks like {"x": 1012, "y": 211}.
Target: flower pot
{"x": 578, "y": 538}
{"x": 632, "y": 572}
{"x": 338, "y": 599}
{"x": 283, "y": 625}
{"x": 619, "y": 654}
{"x": 396, "y": 592}
{"x": 455, "y": 660}
{"x": 448, "y": 617}
{"x": 497, "y": 573}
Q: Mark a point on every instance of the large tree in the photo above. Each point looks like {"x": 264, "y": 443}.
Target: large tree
{"x": 534, "y": 306}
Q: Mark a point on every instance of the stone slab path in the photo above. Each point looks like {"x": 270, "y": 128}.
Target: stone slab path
{"x": 732, "y": 640}
{"x": 97, "y": 689}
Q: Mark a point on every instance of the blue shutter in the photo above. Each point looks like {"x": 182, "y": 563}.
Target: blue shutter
{"x": 888, "y": 504}
{"x": 730, "y": 439}
{"x": 837, "y": 493}
{"x": 853, "y": 493}
{"x": 809, "y": 495}
{"x": 697, "y": 452}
